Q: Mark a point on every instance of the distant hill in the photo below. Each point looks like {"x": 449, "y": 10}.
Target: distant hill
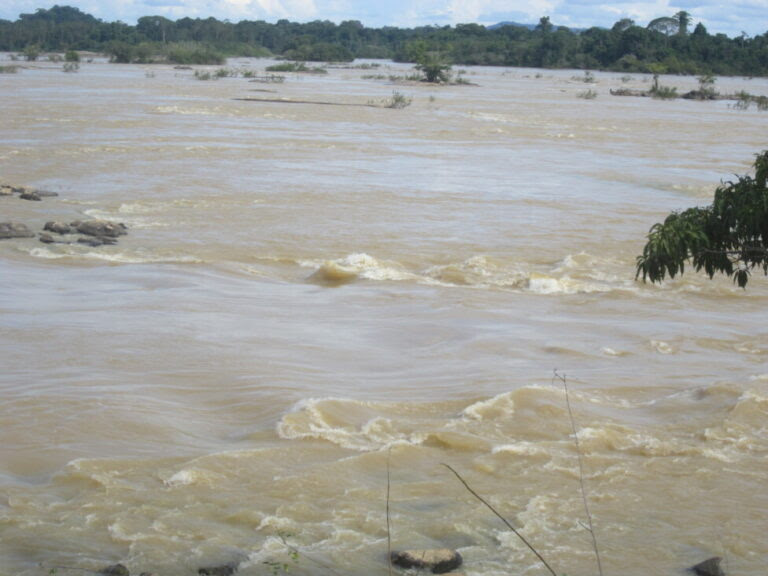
{"x": 507, "y": 23}
{"x": 528, "y": 26}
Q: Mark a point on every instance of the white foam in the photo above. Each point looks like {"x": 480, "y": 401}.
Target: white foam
{"x": 499, "y": 405}
{"x": 182, "y": 478}
{"x": 662, "y": 347}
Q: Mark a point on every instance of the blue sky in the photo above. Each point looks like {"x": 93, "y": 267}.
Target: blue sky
{"x": 731, "y": 18}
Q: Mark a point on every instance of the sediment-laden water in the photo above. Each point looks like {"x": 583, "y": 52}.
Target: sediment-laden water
{"x": 309, "y": 292}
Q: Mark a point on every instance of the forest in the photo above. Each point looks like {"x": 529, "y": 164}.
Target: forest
{"x": 668, "y": 44}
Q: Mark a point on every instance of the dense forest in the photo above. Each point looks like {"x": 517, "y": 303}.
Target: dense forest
{"x": 671, "y": 44}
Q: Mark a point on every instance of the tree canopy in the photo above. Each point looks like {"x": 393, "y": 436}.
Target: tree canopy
{"x": 730, "y": 236}
{"x": 626, "y": 47}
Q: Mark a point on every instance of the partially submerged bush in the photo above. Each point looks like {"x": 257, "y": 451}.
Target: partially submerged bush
{"x": 398, "y": 101}
{"x": 296, "y": 67}
{"x": 31, "y": 52}
{"x": 588, "y": 94}
{"x": 664, "y": 92}
{"x": 745, "y": 100}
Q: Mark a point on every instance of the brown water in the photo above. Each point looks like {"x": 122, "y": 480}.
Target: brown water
{"x": 307, "y": 291}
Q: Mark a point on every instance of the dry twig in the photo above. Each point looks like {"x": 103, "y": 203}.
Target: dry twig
{"x": 506, "y": 522}
{"x": 589, "y": 528}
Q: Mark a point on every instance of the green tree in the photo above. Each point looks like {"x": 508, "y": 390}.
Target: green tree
{"x": 434, "y": 68}
{"x": 683, "y": 21}
{"x": 730, "y": 236}
{"x": 31, "y": 52}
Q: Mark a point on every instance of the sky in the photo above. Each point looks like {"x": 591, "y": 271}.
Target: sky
{"x": 719, "y": 16}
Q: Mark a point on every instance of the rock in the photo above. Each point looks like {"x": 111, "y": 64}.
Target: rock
{"x": 46, "y": 193}
{"x": 94, "y": 242}
{"x": 225, "y": 570}
{"x": 710, "y": 567}
{"x": 57, "y": 227}
{"x": 30, "y": 195}
{"x": 115, "y": 570}
{"x": 46, "y": 238}
{"x": 439, "y": 561}
{"x": 101, "y": 228}
{"x": 14, "y": 230}
{"x": 6, "y": 190}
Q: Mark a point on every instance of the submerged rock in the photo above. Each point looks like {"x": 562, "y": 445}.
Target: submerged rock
{"x": 439, "y": 561}
{"x": 115, "y": 570}
{"x": 224, "y": 570}
{"x": 46, "y": 193}
{"x": 710, "y": 567}
{"x": 15, "y": 230}
{"x": 96, "y": 241}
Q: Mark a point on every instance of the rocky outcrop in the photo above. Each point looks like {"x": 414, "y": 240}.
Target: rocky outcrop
{"x": 438, "y": 561}
{"x": 94, "y": 232}
{"x": 15, "y": 230}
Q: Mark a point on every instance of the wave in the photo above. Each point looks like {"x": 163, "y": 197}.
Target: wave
{"x": 354, "y": 266}
{"x": 533, "y": 421}
{"x": 575, "y": 274}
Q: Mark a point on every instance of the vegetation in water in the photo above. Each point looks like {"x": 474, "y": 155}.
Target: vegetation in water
{"x": 433, "y": 66}
{"x": 729, "y": 237}
{"x": 674, "y": 42}
{"x": 398, "y": 101}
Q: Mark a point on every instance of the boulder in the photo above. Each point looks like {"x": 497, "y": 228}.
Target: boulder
{"x": 57, "y": 227}
{"x": 439, "y": 561}
{"x": 710, "y": 567}
{"x": 6, "y": 190}
{"x": 101, "y": 228}
{"x": 46, "y": 238}
{"x": 30, "y": 195}
{"x": 14, "y": 230}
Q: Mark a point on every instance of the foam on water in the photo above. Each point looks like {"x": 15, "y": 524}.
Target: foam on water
{"x": 77, "y": 252}
{"x": 581, "y": 274}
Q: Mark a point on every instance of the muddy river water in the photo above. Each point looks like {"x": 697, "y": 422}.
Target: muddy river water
{"x": 312, "y": 293}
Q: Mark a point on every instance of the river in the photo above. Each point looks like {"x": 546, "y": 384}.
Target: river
{"x": 319, "y": 302}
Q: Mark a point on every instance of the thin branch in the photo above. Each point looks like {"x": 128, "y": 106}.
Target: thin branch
{"x": 589, "y": 526}
{"x": 296, "y": 554}
{"x": 506, "y": 522}
{"x": 389, "y": 531}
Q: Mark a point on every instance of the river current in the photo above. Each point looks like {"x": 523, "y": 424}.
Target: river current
{"x": 321, "y": 299}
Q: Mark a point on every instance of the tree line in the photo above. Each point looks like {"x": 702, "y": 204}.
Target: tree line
{"x": 668, "y": 43}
